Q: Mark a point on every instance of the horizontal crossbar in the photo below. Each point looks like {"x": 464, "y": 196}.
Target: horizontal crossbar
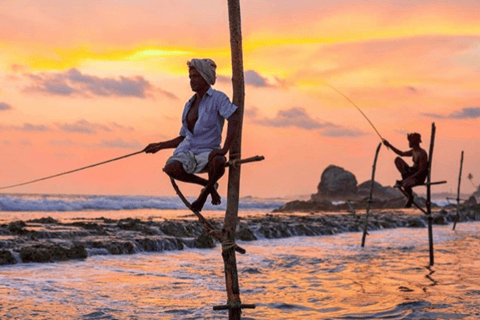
{"x": 431, "y": 183}
{"x": 242, "y": 161}
{"x": 227, "y": 307}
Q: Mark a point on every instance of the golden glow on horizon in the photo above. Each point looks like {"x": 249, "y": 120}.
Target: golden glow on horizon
{"x": 362, "y": 26}
{"x": 41, "y": 57}
{"x": 65, "y": 58}
{"x": 147, "y": 53}
{"x": 361, "y": 23}
{"x": 271, "y": 40}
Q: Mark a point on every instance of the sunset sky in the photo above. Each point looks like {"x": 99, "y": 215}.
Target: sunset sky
{"x": 86, "y": 81}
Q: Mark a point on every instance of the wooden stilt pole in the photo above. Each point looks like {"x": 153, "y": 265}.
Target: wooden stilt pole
{"x": 238, "y": 83}
{"x": 429, "y": 203}
{"x": 457, "y": 216}
{"x": 371, "y": 195}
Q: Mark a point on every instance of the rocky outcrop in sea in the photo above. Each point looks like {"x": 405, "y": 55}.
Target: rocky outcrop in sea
{"x": 338, "y": 191}
{"x": 49, "y": 240}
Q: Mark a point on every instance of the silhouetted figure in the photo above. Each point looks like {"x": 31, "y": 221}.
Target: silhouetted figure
{"x": 198, "y": 145}
{"x": 416, "y": 174}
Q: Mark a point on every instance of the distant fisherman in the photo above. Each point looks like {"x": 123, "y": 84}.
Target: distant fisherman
{"x": 198, "y": 147}
{"x": 416, "y": 174}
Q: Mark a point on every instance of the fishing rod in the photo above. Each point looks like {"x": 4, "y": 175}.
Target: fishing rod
{"x": 360, "y": 110}
{"x": 228, "y": 164}
{"x": 72, "y": 171}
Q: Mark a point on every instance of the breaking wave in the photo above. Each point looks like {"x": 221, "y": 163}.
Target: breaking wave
{"x": 22, "y": 202}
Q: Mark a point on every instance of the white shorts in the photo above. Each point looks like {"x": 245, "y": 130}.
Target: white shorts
{"x": 191, "y": 163}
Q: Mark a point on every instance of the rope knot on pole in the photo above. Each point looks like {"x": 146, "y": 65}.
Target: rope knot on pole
{"x": 228, "y": 244}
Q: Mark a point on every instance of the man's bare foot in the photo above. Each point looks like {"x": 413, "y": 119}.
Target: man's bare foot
{"x": 198, "y": 204}
{"x": 409, "y": 202}
{"x": 216, "y": 199}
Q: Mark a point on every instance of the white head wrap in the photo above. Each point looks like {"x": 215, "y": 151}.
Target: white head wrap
{"x": 206, "y": 67}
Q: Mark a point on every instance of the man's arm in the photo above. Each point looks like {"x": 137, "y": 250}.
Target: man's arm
{"x": 155, "y": 147}
{"x": 399, "y": 152}
{"x": 233, "y": 122}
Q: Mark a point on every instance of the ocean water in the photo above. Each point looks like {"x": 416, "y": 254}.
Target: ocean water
{"x": 82, "y": 203}
{"x": 63, "y": 203}
{"x": 65, "y": 208}
{"x": 325, "y": 277}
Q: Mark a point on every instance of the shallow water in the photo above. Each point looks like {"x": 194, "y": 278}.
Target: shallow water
{"x": 327, "y": 277}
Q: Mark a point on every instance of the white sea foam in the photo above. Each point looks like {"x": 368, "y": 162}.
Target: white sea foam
{"x": 63, "y": 203}
{"x": 56, "y": 203}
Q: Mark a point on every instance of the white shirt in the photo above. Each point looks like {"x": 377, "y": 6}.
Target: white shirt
{"x": 214, "y": 108}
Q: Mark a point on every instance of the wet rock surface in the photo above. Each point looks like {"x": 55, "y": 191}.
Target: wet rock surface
{"x": 16, "y": 227}
{"x": 6, "y": 257}
{"x": 324, "y": 205}
{"x": 48, "y": 240}
{"x": 51, "y": 252}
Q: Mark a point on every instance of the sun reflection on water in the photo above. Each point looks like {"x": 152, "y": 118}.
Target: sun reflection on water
{"x": 329, "y": 277}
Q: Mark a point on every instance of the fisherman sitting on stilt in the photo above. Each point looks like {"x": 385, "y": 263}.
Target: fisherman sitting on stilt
{"x": 198, "y": 145}
{"x": 415, "y": 175}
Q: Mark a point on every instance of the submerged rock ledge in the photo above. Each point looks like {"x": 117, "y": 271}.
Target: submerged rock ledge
{"x": 48, "y": 240}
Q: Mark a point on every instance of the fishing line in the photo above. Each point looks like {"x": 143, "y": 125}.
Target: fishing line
{"x": 72, "y": 171}
{"x": 138, "y": 152}
{"x": 349, "y": 100}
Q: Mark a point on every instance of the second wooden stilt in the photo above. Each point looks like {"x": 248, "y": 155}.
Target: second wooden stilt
{"x": 371, "y": 195}
{"x": 429, "y": 202}
{"x": 457, "y": 216}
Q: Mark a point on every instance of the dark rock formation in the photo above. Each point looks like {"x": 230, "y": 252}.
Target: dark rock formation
{"x": 16, "y": 227}
{"x": 379, "y": 191}
{"x": 336, "y": 183}
{"x": 93, "y": 227}
{"x": 175, "y": 229}
{"x": 126, "y": 236}
{"x": 309, "y": 206}
{"x": 472, "y": 201}
{"x": 47, "y": 220}
{"x": 339, "y": 184}
{"x": 245, "y": 234}
{"x": 52, "y": 252}
{"x": 416, "y": 222}
{"x": 136, "y": 225}
{"x": 205, "y": 241}
{"x": 6, "y": 257}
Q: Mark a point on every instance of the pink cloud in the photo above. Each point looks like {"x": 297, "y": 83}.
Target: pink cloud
{"x": 74, "y": 83}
